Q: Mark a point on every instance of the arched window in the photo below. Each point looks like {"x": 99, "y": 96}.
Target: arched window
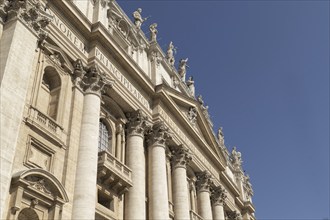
{"x": 49, "y": 96}
{"x": 105, "y": 137}
{"x": 28, "y": 214}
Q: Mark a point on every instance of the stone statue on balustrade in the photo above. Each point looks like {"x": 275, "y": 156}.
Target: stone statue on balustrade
{"x": 183, "y": 68}
{"x": 236, "y": 158}
{"x": 170, "y": 54}
{"x": 200, "y": 99}
{"x": 153, "y": 32}
{"x": 221, "y": 137}
{"x": 191, "y": 87}
{"x": 248, "y": 187}
{"x": 138, "y": 20}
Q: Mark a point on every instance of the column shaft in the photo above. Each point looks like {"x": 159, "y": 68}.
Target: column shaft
{"x": 135, "y": 204}
{"x": 85, "y": 193}
{"x": 204, "y": 205}
{"x": 181, "y": 157}
{"x": 135, "y": 198}
{"x": 158, "y": 196}
{"x": 180, "y": 193}
{"x": 203, "y": 184}
{"x": 218, "y": 197}
{"x": 218, "y": 212}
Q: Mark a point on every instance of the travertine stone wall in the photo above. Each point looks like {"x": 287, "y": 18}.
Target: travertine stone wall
{"x": 16, "y": 60}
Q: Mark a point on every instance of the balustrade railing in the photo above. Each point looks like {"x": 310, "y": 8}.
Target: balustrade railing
{"x": 109, "y": 160}
{"x": 45, "y": 123}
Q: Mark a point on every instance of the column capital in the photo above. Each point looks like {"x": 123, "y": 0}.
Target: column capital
{"x": 94, "y": 81}
{"x": 204, "y": 181}
{"x": 137, "y": 123}
{"x": 159, "y": 134}
{"x": 180, "y": 157}
{"x": 30, "y": 12}
{"x": 233, "y": 215}
{"x": 79, "y": 71}
{"x": 218, "y": 195}
{"x": 90, "y": 79}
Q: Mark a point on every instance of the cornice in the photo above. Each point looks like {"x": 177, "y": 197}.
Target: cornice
{"x": 229, "y": 184}
{"x": 74, "y": 15}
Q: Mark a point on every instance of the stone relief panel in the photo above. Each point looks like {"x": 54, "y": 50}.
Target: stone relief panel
{"x": 38, "y": 155}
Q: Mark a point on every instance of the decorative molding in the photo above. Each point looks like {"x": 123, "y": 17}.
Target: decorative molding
{"x": 180, "y": 157}
{"x": 38, "y": 155}
{"x": 137, "y": 123}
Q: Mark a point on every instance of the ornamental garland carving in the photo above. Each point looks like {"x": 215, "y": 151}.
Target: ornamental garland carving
{"x": 159, "y": 134}
{"x": 137, "y": 123}
{"x": 204, "y": 181}
{"x": 218, "y": 195}
{"x": 180, "y": 157}
{"x": 31, "y": 12}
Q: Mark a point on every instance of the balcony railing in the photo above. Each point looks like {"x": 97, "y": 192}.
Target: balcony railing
{"x": 195, "y": 216}
{"x": 46, "y": 125}
{"x": 113, "y": 173}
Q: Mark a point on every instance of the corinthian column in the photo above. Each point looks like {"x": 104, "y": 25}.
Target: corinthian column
{"x": 181, "y": 157}
{"x": 218, "y": 197}
{"x": 203, "y": 194}
{"x": 158, "y": 196}
{"x": 85, "y": 184}
{"x": 135, "y": 207}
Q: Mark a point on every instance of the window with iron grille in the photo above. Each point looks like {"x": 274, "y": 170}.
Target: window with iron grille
{"x": 104, "y": 138}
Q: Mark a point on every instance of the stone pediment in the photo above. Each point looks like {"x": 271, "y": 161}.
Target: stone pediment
{"x": 58, "y": 56}
{"x": 192, "y": 112}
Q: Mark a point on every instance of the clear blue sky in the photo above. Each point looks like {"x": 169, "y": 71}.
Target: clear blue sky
{"x": 263, "y": 69}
